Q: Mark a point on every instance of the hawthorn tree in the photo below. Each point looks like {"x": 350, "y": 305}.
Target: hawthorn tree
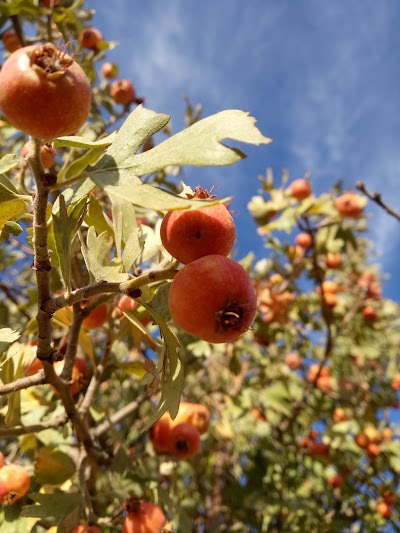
{"x": 113, "y": 416}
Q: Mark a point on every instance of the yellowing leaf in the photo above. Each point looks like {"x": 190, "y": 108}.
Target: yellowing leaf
{"x": 10, "y": 209}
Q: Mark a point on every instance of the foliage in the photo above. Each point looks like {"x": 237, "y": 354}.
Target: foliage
{"x": 280, "y": 453}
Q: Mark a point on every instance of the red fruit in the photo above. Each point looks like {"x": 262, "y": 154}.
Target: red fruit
{"x": 192, "y": 413}
{"x": 90, "y": 38}
{"x": 319, "y": 449}
{"x": 45, "y": 93}
{"x": 128, "y": 304}
{"x": 184, "y": 441}
{"x": 396, "y": 382}
{"x": 10, "y": 41}
{"x": 82, "y": 528}
{"x": 14, "y": 483}
{"x": 96, "y": 318}
{"x": 190, "y": 234}
{"x": 362, "y": 440}
{"x": 213, "y": 298}
{"x": 339, "y": 415}
{"x": 47, "y": 154}
{"x": 304, "y": 240}
{"x": 333, "y": 260}
{"x": 51, "y": 3}
{"x": 257, "y": 414}
{"x": 1, "y": 460}
{"x": 330, "y": 299}
{"x": 145, "y": 517}
{"x": 160, "y": 435}
{"x": 349, "y": 205}
{"x": 109, "y": 70}
{"x": 293, "y": 360}
{"x": 369, "y": 313}
{"x": 123, "y": 92}
{"x": 384, "y": 509}
{"x": 336, "y": 481}
{"x": 300, "y": 189}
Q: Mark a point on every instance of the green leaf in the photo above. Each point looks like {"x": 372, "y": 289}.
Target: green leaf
{"x": 10, "y": 227}
{"x": 140, "y": 125}
{"x": 53, "y": 505}
{"x": 199, "y": 145}
{"x": 133, "y": 248}
{"x": 52, "y": 466}
{"x": 75, "y": 141}
{"x": 10, "y": 209}
{"x": 8, "y": 162}
{"x": 13, "y": 416}
{"x": 95, "y": 217}
{"x": 151, "y": 197}
{"x": 65, "y": 227}
{"x": 8, "y": 186}
{"x": 171, "y": 387}
{"x": 7, "y": 337}
{"x": 77, "y": 166}
{"x": 96, "y": 255}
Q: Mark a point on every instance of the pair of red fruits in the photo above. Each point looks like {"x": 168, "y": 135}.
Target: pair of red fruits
{"x": 212, "y": 297}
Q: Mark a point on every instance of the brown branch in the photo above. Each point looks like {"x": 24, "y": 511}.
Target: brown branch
{"x": 105, "y": 287}
{"x": 34, "y": 428}
{"x": 42, "y": 266}
{"x": 377, "y": 198}
{"x": 23, "y": 383}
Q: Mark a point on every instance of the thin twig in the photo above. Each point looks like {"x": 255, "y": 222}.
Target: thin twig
{"x": 104, "y": 287}
{"x": 34, "y": 428}
{"x": 23, "y": 383}
{"x": 377, "y": 198}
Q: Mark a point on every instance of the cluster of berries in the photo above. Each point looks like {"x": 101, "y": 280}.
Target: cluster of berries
{"x": 212, "y": 297}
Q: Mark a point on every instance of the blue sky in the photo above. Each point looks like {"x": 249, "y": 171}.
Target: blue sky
{"x": 322, "y": 79}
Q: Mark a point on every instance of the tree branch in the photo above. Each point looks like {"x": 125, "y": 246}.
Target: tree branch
{"x": 104, "y": 287}
{"x": 23, "y": 383}
{"x": 34, "y": 428}
{"x": 376, "y": 197}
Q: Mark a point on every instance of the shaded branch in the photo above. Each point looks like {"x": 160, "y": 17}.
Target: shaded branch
{"x": 34, "y": 428}
{"x": 23, "y": 383}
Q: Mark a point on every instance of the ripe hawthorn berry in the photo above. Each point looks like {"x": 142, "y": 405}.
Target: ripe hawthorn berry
{"x": 90, "y": 38}
{"x": 349, "y": 205}
{"x": 47, "y": 154}
{"x": 109, "y": 70}
{"x": 11, "y": 41}
{"x": 304, "y": 240}
{"x": 190, "y": 234}
{"x": 14, "y": 483}
{"x": 44, "y": 92}
{"x": 123, "y": 92}
{"x": 184, "y": 441}
{"x": 213, "y": 298}
{"x": 143, "y": 517}
{"x": 300, "y": 189}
